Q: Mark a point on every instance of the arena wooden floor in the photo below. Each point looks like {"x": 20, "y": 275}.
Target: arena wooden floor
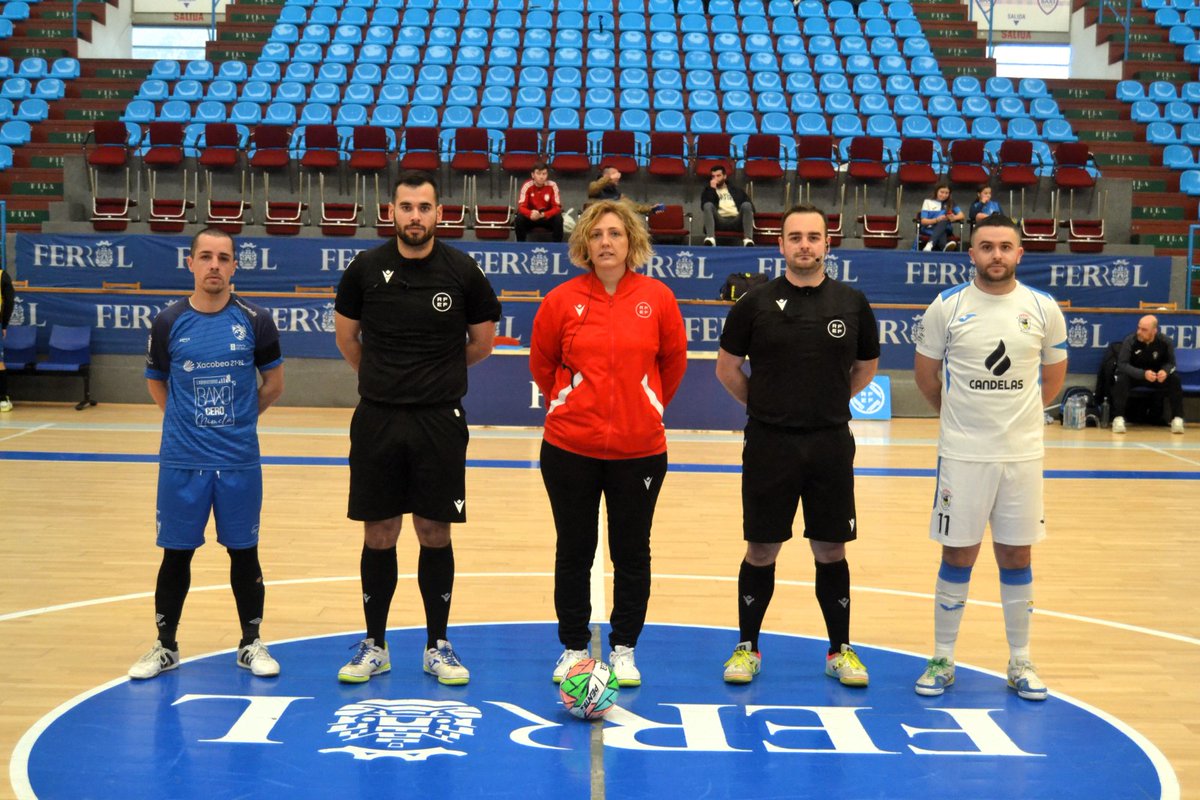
{"x": 1116, "y": 623}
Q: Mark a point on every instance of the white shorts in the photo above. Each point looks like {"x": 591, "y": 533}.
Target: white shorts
{"x": 972, "y": 494}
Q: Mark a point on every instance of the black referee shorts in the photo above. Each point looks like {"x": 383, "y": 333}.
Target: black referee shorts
{"x": 784, "y": 467}
{"x": 406, "y": 459}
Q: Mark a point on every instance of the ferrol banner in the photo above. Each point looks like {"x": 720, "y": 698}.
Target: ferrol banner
{"x": 693, "y": 273}
{"x": 121, "y": 323}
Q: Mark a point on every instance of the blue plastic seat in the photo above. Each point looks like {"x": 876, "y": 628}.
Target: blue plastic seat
{"x": 245, "y": 113}
{"x": 458, "y": 117}
{"x": 531, "y": 96}
{"x": 966, "y": 86}
{"x": 65, "y": 68}
{"x": 989, "y": 128}
{"x": 806, "y": 103}
{"x": 493, "y": 118}
{"x": 669, "y": 79}
{"x": 599, "y": 119}
{"x": 670, "y": 121}
{"x": 1010, "y": 107}
{"x": 152, "y": 89}
{"x": 840, "y": 103}
{"x": 315, "y": 33}
{"x": 435, "y": 74}
{"x": 705, "y": 122}
{"x": 1059, "y": 130}
{"x": 209, "y": 111}
{"x": 15, "y": 132}
{"x": 766, "y": 82}
{"x": 768, "y": 102}
{"x": 884, "y": 46}
{"x": 733, "y": 82}
{"x": 943, "y": 105}
{"x": 1161, "y": 92}
{"x": 800, "y": 82}
{"x": 1190, "y": 92}
{"x": 844, "y": 125}
{"x": 1144, "y": 111}
{"x": 632, "y": 21}
{"x": 635, "y": 79}
{"x": 833, "y": 83}
{"x": 892, "y": 65}
{"x": 870, "y": 105}
{"x": 668, "y": 99}
{"x": 898, "y": 11}
{"x": 737, "y": 101}
{"x": 280, "y": 114}
{"x": 635, "y": 98}
{"x": 15, "y": 11}
{"x": 290, "y": 92}
{"x": 34, "y": 109}
{"x": 274, "y": 52}
{"x": 165, "y": 70}
{"x": 741, "y": 123}
{"x": 1021, "y": 128}
{"x": 915, "y": 46}
{"x": 916, "y": 127}
{"x": 1189, "y": 134}
{"x": 600, "y": 97}
{"x": 882, "y": 126}
{"x": 1162, "y": 133}
{"x": 976, "y": 106}
{"x": 1189, "y": 183}
{"x": 563, "y": 97}
{"x": 949, "y": 128}
{"x": 1178, "y": 156}
{"x": 1030, "y": 88}
{"x": 422, "y": 116}
{"x": 848, "y": 26}
{"x": 175, "y": 111}
{"x": 908, "y": 105}
{"x": 1130, "y": 91}
{"x": 1179, "y": 112}
{"x": 538, "y": 37}
{"x": 794, "y": 63}
{"x": 327, "y": 93}
{"x": 563, "y": 119}
{"x": 817, "y": 27}
{"x": 387, "y": 116}
{"x": 811, "y": 124}
{"x": 6, "y": 67}
{"x": 530, "y": 118}
{"x": 298, "y": 72}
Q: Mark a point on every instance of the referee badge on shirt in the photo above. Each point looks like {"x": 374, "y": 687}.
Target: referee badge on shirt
{"x": 1024, "y": 323}
{"x": 836, "y": 328}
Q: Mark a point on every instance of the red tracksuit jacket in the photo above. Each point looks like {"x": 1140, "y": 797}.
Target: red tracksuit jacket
{"x": 608, "y": 365}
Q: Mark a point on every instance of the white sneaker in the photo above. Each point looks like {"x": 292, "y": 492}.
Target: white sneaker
{"x": 938, "y": 674}
{"x": 568, "y": 659}
{"x": 1023, "y": 677}
{"x": 710, "y": 241}
{"x": 443, "y": 662}
{"x": 5, "y": 405}
{"x": 747, "y": 243}
{"x": 1118, "y": 425}
{"x": 1177, "y": 425}
{"x": 928, "y": 248}
{"x": 368, "y": 660}
{"x": 846, "y": 667}
{"x": 255, "y": 658}
{"x": 743, "y": 665}
{"x": 623, "y": 666}
{"x": 159, "y": 659}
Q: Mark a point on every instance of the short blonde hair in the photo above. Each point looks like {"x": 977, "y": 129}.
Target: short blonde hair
{"x": 635, "y": 231}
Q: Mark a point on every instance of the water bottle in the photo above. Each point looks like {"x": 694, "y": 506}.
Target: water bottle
{"x": 1075, "y": 415}
{"x": 1105, "y": 410}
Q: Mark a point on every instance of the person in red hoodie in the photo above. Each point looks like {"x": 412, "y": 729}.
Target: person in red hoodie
{"x": 608, "y": 352}
{"x": 539, "y": 205}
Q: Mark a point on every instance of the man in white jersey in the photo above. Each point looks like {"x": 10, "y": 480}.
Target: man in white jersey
{"x": 992, "y": 355}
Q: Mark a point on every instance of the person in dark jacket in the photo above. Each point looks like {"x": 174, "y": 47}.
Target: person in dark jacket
{"x": 1147, "y": 361}
{"x": 725, "y": 207}
{"x": 6, "y": 310}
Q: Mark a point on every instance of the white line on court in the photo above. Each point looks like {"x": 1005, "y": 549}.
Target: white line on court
{"x": 1163, "y": 452}
{"x": 27, "y": 430}
{"x": 598, "y": 606}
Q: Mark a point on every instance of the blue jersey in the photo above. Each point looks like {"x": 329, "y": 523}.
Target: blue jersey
{"x": 210, "y": 363}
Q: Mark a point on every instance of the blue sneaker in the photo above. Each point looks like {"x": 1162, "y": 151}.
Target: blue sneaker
{"x": 368, "y": 660}
{"x": 443, "y": 662}
{"x": 939, "y": 673}
{"x": 1023, "y": 677}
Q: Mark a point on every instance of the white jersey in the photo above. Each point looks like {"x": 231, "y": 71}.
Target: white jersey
{"x": 992, "y": 348}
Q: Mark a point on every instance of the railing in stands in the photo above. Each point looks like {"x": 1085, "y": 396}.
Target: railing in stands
{"x": 1193, "y": 269}
{"x": 1125, "y": 20}
{"x": 3, "y": 235}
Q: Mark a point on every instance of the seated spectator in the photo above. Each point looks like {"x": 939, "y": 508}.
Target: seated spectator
{"x": 938, "y": 215}
{"x": 1147, "y": 360}
{"x": 983, "y": 207}
{"x": 726, "y": 208}
{"x": 607, "y": 187}
{"x": 539, "y": 205}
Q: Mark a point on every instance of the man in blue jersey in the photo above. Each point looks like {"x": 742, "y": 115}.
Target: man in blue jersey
{"x": 202, "y": 366}
{"x": 992, "y": 354}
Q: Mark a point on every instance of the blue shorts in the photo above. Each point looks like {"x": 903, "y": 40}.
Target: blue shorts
{"x": 186, "y": 496}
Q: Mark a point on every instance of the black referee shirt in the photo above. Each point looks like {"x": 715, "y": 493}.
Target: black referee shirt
{"x": 801, "y": 342}
{"x": 414, "y": 315}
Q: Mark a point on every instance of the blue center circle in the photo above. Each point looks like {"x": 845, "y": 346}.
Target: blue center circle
{"x": 210, "y": 730}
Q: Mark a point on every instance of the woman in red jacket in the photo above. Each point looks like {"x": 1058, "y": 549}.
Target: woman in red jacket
{"x": 608, "y": 352}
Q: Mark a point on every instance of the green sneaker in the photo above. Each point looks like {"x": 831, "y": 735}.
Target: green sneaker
{"x": 939, "y": 673}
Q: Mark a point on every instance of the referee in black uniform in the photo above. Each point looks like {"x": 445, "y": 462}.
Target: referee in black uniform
{"x": 411, "y": 316}
{"x": 812, "y": 345}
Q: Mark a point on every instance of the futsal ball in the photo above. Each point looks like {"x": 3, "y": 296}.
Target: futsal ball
{"x": 589, "y": 690}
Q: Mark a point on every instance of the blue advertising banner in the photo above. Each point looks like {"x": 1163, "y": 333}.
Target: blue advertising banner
{"x": 121, "y": 322}
{"x": 277, "y": 264}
